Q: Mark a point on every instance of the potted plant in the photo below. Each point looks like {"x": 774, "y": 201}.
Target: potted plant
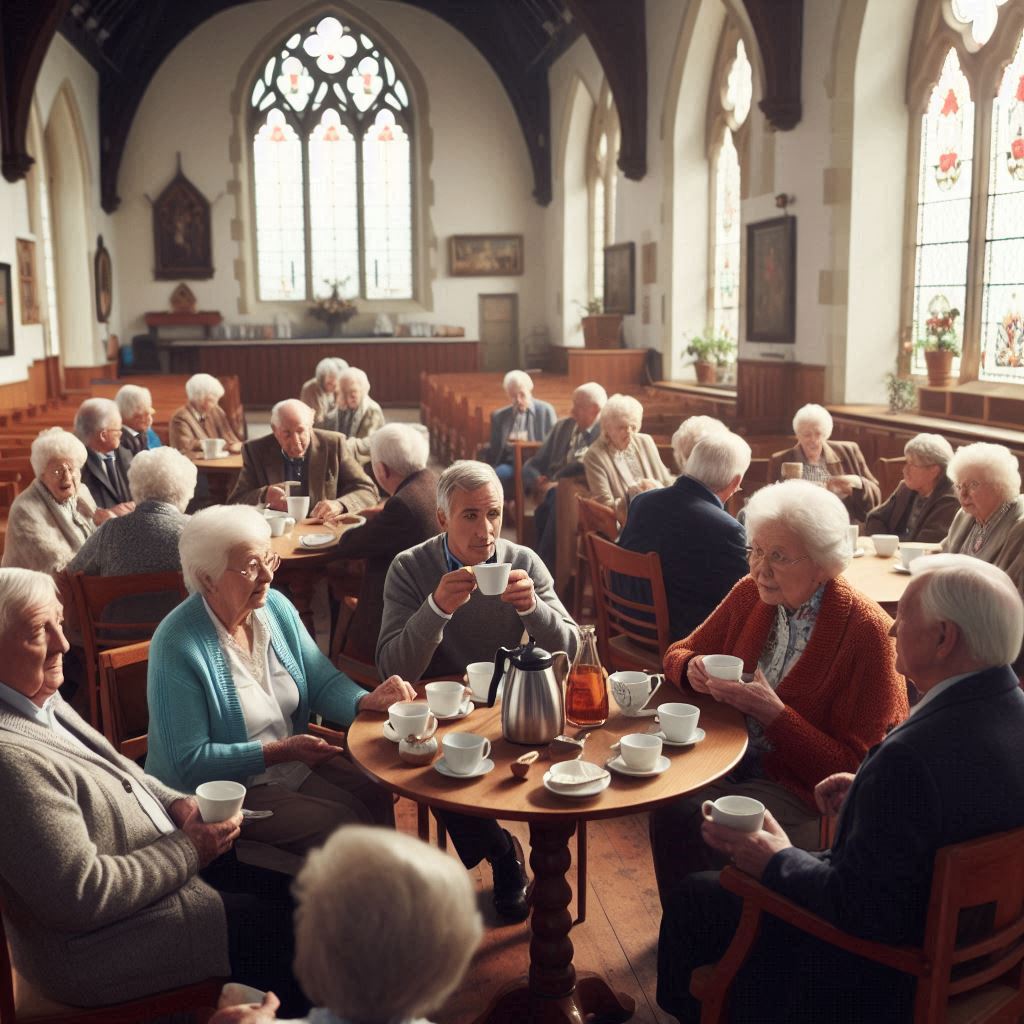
{"x": 711, "y": 350}
{"x": 333, "y": 309}
{"x": 600, "y": 329}
{"x": 941, "y": 341}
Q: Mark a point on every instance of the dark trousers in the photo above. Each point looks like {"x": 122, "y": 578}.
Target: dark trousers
{"x": 474, "y": 839}
{"x": 546, "y": 529}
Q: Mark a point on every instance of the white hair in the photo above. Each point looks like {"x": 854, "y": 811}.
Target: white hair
{"x": 327, "y": 366}
{"x": 131, "y": 399}
{"x": 94, "y": 415}
{"x": 813, "y": 415}
{"x": 979, "y": 598}
{"x": 622, "y": 407}
{"x": 20, "y": 589}
{"x": 208, "y": 537}
{"x": 717, "y": 459}
{"x": 292, "y": 405}
{"x": 203, "y": 385}
{"x": 689, "y": 432}
{"x": 593, "y": 393}
{"x": 402, "y": 447}
{"x": 930, "y": 449}
{"x": 517, "y": 378}
{"x": 995, "y": 463}
{"x": 55, "y": 443}
{"x": 813, "y": 513}
{"x": 357, "y": 376}
{"x": 162, "y": 474}
{"x": 464, "y": 475}
{"x": 385, "y": 925}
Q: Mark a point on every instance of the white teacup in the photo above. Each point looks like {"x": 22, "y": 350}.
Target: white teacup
{"x": 280, "y": 524}
{"x": 298, "y": 507}
{"x": 219, "y": 801}
{"x": 678, "y": 721}
{"x": 743, "y": 813}
{"x": 213, "y": 446}
{"x": 463, "y": 751}
{"x": 412, "y": 718}
{"x": 446, "y": 697}
{"x": 492, "y": 578}
{"x": 885, "y": 544}
{"x": 723, "y": 666}
{"x": 631, "y": 690}
{"x": 853, "y": 533}
{"x": 792, "y": 470}
{"x": 640, "y": 751}
{"x": 909, "y": 550}
{"x": 479, "y": 674}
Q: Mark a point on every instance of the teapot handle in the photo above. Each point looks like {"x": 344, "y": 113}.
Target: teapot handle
{"x": 566, "y": 666}
{"x": 500, "y": 661}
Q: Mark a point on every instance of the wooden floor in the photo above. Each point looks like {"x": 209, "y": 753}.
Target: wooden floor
{"x": 618, "y": 940}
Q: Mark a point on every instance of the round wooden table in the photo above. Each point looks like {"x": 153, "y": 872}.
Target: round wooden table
{"x": 221, "y": 474}
{"x": 553, "y": 992}
{"x": 877, "y": 577}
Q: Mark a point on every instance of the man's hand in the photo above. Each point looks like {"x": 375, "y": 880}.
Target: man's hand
{"x": 211, "y": 840}
{"x": 749, "y": 851}
{"x": 249, "y": 1013}
{"x": 392, "y": 690}
{"x": 454, "y": 589}
{"x": 123, "y": 508}
{"x": 276, "y": 498}
{"x": 235, "y": 447}
{"x": 519, "y": 592}
{"x": 325, "y": 510}
{"x": 830, "y": 793}
{"x": 101, "y": 515}
{"x": 310, "y": 750}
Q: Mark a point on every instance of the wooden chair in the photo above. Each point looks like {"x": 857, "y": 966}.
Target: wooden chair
{"x": 890, "y": 474}
{"x": 522, "y": 452}
{"x": 625, "y": 625}
{"x": 593, "y": 517}
{"x": 975, "y": 981}
{"x": 125, "y": 713}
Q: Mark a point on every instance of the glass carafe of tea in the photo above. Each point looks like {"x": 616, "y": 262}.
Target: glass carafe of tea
{"x": 586, "y": 692}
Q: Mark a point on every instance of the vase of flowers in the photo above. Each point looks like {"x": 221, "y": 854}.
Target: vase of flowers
{"x": 334, "y": 310}
{"x": 941, "y": 341}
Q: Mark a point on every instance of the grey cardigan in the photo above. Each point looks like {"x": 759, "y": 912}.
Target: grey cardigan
{"x": 36, "y": 538}
{"x": 100, "y": 907}
{"x": 1003, "y": 547}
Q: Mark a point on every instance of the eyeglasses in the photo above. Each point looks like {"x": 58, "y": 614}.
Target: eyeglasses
{"x": 62, "y": 470}
{"x": 776, "y": 559}
{"x": 969, "y": 486}
{"x": 269, "y": 562}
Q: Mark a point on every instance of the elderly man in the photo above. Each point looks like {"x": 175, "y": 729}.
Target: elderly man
{"x": 317, "y": 460}
{"x": 135, "y": 405}
{"x": 398, "y": 455}
{"x": 702, "y": 548}
{"x": 356, "y": 415}
{"x": 320, "y": 392}
{"x": 105, "y": 473}
{"x": 201, "y": 417}
{"x": 436, "y": 622}
{"x": 525, "y": 419}
{"x": 950, "y": 773}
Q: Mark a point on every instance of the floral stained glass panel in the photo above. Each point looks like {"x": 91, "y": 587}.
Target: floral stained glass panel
{"x": 726, "y": 313}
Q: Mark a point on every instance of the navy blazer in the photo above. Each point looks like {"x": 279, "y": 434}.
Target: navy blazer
{"x": 94, "y": 476}
{"x": 702, "y": 549}
{"x": 539, "y": 422}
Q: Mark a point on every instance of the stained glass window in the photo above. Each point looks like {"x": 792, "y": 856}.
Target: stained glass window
{"x": 332, "y": 168}
{"x": 943, "y": 203}
{"x": 980, "y": 16}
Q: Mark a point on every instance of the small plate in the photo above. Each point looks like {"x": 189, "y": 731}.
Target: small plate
{"x": 577, "y": 792}
{"x": 211, "y": 458}
{"x": 904, "y": 569}
{"x": 317, "y": 540}
{"x": 616, "y": 764}
{"x": 485, "y": 766}
{"x": 698, "y": 735}
{"x": 467, "y": 709}
{"x": 858, "y": 553}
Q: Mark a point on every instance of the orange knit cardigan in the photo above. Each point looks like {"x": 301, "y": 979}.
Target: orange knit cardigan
{"x": 842, "y": 695}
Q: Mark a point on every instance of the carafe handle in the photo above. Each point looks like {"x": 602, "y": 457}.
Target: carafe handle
{"x": 500, "y": 661}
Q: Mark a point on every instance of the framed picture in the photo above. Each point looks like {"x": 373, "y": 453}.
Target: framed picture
{"x": 6, "y": 312}
{"x": 771, "y": 280}
{"x": 620, "y": 278}
{"x": 27, "y": 292}
{"x": 181, "y": 232}
{"x": 104, "y": 276}
{"x": 485, "y": 255}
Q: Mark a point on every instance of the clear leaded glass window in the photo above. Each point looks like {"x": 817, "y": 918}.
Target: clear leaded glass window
{"x": 601, "y": 172}
{"x": 332, "y": 167}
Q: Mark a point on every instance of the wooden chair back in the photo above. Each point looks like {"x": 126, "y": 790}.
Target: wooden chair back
{"x": 597, "y": 518}
{"x": 125, "y": 713}
{"x": 890, "y": 474}
{"x": 522, "y": 452}
{"x": 591, "y": 517}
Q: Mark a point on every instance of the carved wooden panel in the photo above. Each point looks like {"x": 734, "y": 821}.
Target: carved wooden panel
{"x": 615, "y": 369}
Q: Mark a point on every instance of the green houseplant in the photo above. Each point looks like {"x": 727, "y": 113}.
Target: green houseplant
{"x": 712, "y": 351}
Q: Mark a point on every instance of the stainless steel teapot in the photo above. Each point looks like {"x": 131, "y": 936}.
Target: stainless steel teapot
{"x": 533, "y": 703}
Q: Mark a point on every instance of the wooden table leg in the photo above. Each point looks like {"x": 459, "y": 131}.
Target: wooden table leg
{"x": 553, "y": 993}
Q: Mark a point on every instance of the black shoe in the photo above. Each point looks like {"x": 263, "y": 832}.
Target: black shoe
{"x": 511, "y": 890}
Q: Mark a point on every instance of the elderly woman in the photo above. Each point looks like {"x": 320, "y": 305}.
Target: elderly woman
{"x": 233, "y": 679}
{"x": 136, "y": 407}
{"x": 53, "y": 517}
{"x": 823, "y": 686}
{"x": 201, "y": 417}
{"x": 922, "y": 507}
{"x": 320, "y": 392}
{"x": 990, "y": 523}
{"x": 838, "y": 465}
{"x": 422, "y": 940}
{"x": 356, "y": 415}
{"x": 689, "y": 432}
{"x": 622, "y": 462}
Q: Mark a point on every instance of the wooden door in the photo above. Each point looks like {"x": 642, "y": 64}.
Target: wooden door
{"x": 499, "y": 332}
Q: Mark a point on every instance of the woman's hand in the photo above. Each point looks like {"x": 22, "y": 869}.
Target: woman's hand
{"x": 310, "y": 750}
{"x": 830, "y": 793}
{"x": 249, "y": 1013}
{"x": 696, "y": 674}
{"x": 392, "y": 690}
{"x": 755, "y": 698}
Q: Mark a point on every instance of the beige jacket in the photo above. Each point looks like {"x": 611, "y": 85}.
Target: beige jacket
{"x": 372, "y": 419}
{"x": 36, "y": 537}
{"x": 603, "y": 479}
{"x": 186, "y": 433}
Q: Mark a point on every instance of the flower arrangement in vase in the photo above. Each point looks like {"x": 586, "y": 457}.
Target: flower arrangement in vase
{"x": 941, "y": 341}
{"x": 333, "y": 309}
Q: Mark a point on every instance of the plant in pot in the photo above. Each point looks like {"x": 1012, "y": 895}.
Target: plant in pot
{"x": 941, "y": 341}
{"x": 712, "y": 351}
{"x": 600, "y": 329}
{"x": 333, "y": 309}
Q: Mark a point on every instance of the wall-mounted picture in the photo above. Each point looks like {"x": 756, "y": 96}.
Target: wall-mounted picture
{"x": 771, "y": 280}
{"x": 620, "y": 278}
{"x": 181, "y": 232}
{"x": 6, "y": 312}
{"x": 485, "y": 255}
{"x": 28, "y": 293}
{"x": 104, "y": 274}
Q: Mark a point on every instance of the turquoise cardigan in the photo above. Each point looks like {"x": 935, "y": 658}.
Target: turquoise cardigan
{"x": 197, "y": 731}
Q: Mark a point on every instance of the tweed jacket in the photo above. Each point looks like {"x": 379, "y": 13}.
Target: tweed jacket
{"x": 36, "y": 539}
{"x": 95, "y": 478}
{"x": 415, "y": 641}
{"x": 100, "y": 906}
{"x": 1003, "y": 547}
{"x": 186, "y": 432}
{"x": 933, "y": 524}
{"x": 841, "y": 458}
{"x": 370, "y": 420}
{"x": 553, "y": 458}
{"x": 540, "y": 419}
{"x": 333, "y": 472}
{"x": 320, "y": 401}
{"x": 408, "y": 518}
{"x": 603, "y": 479}
{"x": 842, "y": 695}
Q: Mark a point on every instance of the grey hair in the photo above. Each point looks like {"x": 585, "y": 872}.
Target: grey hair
{"x": 19, "y": 590}
{"x": 131, "y": 398}
{"x": 55, "y": 443}
{"x": 162, "y": 474}
{"x": 464, "y": 475}
{"x": 997, "y": 463}
{"x": 813, "y": 513}
{"x": 208, "y": 537}
{"x": 94, "y": 415}
{"x": 931, "y": 449}
{"x": 689, "y": 432}
{"x": 519, "y": 378}
{"x": 718, "y": 458}
{"x": 402, "y": 447}
{"x": 593, "y": 393}
{"x": 294, "y": 405}
{"x": 414, "y": 944}
{"x": 814, "y": 415}
{"x": 203, "y": 385}
{"x": 979, "y": 598}
{"x": 622, "y": 407}
{"x": 353, "y": 373}
{"x": 327, "y": 366}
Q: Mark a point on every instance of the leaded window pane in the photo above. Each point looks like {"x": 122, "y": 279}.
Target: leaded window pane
{"x": 387, "y": 207}
{"x": 726, "y": 316}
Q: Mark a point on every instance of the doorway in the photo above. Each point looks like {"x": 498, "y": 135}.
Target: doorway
{"x": 499, "y": 332}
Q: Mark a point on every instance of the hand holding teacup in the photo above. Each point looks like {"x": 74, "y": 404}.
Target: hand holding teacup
{"x": 756, "y": 698}
{"x": 454, "y": 589}
{"x": 392, "y": 690}
{"x": 519, "y": 592}
{"x": 749, "y": 851}
{"x": 703, "y": 667}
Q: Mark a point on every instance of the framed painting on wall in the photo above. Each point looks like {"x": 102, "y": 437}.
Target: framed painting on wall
{"x": 771, "y": 280}
{"x": 181, "y": 232}
{"x": 620, "y": 278}
{"x": 6, "y": 312}
{"x": 104, "y": 281}
{"x": 485, "y": 255}
{"x": 27, "y": 292}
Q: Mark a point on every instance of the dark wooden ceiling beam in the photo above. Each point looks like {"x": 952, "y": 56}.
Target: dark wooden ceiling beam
{"x": 779, "y": 27}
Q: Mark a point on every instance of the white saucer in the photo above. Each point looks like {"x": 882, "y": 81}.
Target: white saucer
{"x": 858, "y": 553}
{"x": 389, "y": 732}
{"x": 211, "y": 458}
{"x": 616, "y": 764}
{"x": 485, "y": 766}
{"x": 899, "y": 567}
{"x": 317, "y": 540}
{"x": 577, "y": 792}
{"x": 698, "y": 735}
{"x": 467, "y": 709}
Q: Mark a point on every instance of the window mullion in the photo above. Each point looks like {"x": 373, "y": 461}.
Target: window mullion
{"x": 360, "y": 209}
{"x": 970, "y": 364}
{"x": 307, "y": 218}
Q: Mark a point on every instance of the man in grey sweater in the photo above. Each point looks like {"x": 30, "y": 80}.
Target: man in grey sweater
{"x": 436, "y": 622}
